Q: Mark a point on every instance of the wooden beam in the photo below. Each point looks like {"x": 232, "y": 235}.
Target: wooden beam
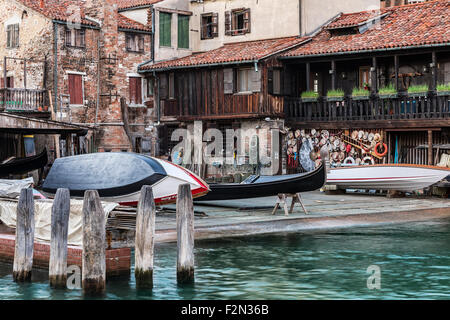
{"x": 430, "y": 147}
{"x": 433, "y": 86}
{"x": 24, "y": 246}
{"x": 333, "y": 74}
{"x": 396, "y": 67}
{"x": 308, "y": 76}
{"x": 94, "y": 244}
{"x": 374, "y": 75}
{"x": 144, "y": 241}
{"x": 185, "y": 235}
{"x": 57, "y": 271}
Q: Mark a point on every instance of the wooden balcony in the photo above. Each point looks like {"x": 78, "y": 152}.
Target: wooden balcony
{"x": 427, "y": 110}
{"x": 25, "y": 101}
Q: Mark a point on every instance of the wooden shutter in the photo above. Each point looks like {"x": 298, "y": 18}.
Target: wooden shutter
{"x": 2, "y": 82}
{"x": 165, "y": 29}
{"x": 132, "y": 90}
{"x": 76, "y": 89}
{"x": 10, "y": 82}
{"x": 228, "y": 77}
{"x": 215, "y": 25}
{"x": 270, "y": 81}
{"x": 138, "y": 89}
{"x": 183, "y": 31}
{"x": 8, "y": 36}
{"x": 141, "y": 43}
{"x": 228, "y": 23}
{"x": 255, "y": 80}
{"x": 82, "y": 38}
{"x": 128, "y": 41}
{"x": 163, "y": 92}
{"x": 247, "y": 27}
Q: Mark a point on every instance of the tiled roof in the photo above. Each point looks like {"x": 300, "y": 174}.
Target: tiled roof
{"x": 61, "y": 10}
{"x": 126, "y": 23}
{"x": 232, "y": 53}
{"x": 403, "y": 26}
{"x": 57, "y": 9}
{"x": 128, "y": 4}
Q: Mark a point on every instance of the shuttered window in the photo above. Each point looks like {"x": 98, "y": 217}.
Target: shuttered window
{"x": 165, "y": 29}
{"x": 183, "y": 31}
{"x": 135, "y": 90}
{"x": 209, "y": 26}
{"x": 228, "y": 76}
{"x": 12, "y": 36}
{"x": 248, "y": 80}
{"x": 76, "y": 89}
{"x": 237, "y": 22}
{"x": 274, "y": 81}
{"x": 9, "y": 82}
{"x": 171, "y": 86}
{"x": 135, "y": 42}
{"x": 75, "y": 38}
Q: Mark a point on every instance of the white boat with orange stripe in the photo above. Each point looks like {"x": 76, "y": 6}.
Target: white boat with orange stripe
{"x": 119, "y": 177}
{"x": 401, "y": 177}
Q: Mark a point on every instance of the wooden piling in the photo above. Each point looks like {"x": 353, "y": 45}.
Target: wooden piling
{"x": 144, "y": 241}
{"x": 23, "y": 254}
{"x": 93, "y": 260}
{"x": 185, "y": 235}
{"x": 57, "y": 270}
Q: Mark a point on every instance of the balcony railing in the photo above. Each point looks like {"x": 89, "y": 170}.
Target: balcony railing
{"x": 24, "y": 100}
{"x": 364, "y": 108}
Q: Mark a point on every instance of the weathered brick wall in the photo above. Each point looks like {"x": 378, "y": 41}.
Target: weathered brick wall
{"x": 35, "y": 43}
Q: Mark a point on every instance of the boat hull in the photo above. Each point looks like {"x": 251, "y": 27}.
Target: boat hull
{"x": 24, "y": 165}
{"x": 119, "y": 177}
{"x": 268, "y": 186}
{"x": 387, "y": 177}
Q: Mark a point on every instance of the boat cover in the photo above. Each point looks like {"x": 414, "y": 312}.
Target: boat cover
{"x": 11, "y": 188}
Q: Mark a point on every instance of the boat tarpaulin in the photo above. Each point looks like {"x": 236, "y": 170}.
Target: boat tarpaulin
{"x": 43, "y": 214}
{"x": 11, "y": 188}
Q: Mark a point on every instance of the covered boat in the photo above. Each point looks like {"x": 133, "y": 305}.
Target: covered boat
{"x": 401, "y": 177}
{"x": 264, "y": 186}
{"x": 119, "y": 177}
{"x": 24, "y": 165}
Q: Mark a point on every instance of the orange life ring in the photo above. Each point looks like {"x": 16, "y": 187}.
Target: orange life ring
{"x": 385, "y": 148}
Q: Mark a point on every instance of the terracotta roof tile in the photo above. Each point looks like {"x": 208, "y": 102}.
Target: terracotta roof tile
{"x": 404, "y": 26}
{"x": 127, "y": 4}
{"x": 60, "y": 10}
{"x": 232, "y": 52}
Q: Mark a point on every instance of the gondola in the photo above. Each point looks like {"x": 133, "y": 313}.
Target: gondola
{"x": 24, "y": 165}
{"x": 264, "y": 186}
{"x": 119, "y": 177}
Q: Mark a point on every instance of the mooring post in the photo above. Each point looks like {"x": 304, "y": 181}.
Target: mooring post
{"x": 185, "y": 235}
{"x": 57, "y": 269}
{"x": 144, "y": 241}
{"x": 23, "y": 254}
{"x": 93, "y": 262}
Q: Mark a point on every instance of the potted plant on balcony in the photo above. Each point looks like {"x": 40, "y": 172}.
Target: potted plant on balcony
{"x": 335, "y": 95}
{"x": 309, "y": 96}
{"x": 417, "y": 91}
{"x": 387, "y": 92}
{"x": 443, "y": 89}
{"x": 360, "y": 94}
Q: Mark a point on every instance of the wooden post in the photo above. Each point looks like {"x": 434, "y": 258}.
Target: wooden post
{"x": 185, "y": 235}
{"x": 144, "y": 241}
{"x": 93, "y": 265}
{"x": 433, "y": 86}
{"x": 23, "y": 254}
{"x": 396, "y": 66}
{"x": 374, "y": 76}
{"x": 57, "y": 269}
{"x": 430, "y": 147}
{"x": 333, "y": 75}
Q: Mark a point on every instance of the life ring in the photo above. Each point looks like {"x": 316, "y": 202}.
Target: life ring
{"x": 350, "y": 160}
{"x": 368, "y": 158}
{"x": 385, "y": 148}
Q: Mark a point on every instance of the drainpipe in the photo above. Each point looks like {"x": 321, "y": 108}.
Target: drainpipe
{"x": 55, "y": 65}
{"x": 158, "y": 108}
{"x": 98, "y": 81}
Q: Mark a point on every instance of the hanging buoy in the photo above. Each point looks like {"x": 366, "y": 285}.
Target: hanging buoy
{"x": 370, "y": 159}
{"x": 381, "y": 154}
{"x": 349, "y": 160}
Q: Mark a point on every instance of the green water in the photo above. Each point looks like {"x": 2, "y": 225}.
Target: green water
{"x": 413, "y": 258}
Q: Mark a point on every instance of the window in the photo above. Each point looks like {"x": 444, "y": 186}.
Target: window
{"x": 75, "y": 38}
{"x": 209, "y": 26}
{"x": 12, "y": 36}
{"x": 237, "y": 22}
{"x": 9, "y": 82}
{"x": 364, "y": 77}
{"x": 165, "y": 29}
{"x": 135, "y": 86}
{"x": 76, "y": 89}
{"x": 248, "y": 80}
{"x": 183, "y": 31}
{"x": 150, "y": 87}
{"x": 135, "y": 42}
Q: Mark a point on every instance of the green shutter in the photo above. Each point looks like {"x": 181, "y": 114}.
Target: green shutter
{"x": 183, "y": 31}
{"x": 165, "y": 29}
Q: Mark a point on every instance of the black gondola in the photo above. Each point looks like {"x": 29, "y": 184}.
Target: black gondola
{"x": 264, "y": 186}
{"x": 24, "y": 165}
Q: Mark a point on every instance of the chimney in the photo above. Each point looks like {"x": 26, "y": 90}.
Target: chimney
{"x": 41, "y": 4}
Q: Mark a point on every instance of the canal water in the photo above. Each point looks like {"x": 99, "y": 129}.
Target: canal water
{"x": 413, "y": 260}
